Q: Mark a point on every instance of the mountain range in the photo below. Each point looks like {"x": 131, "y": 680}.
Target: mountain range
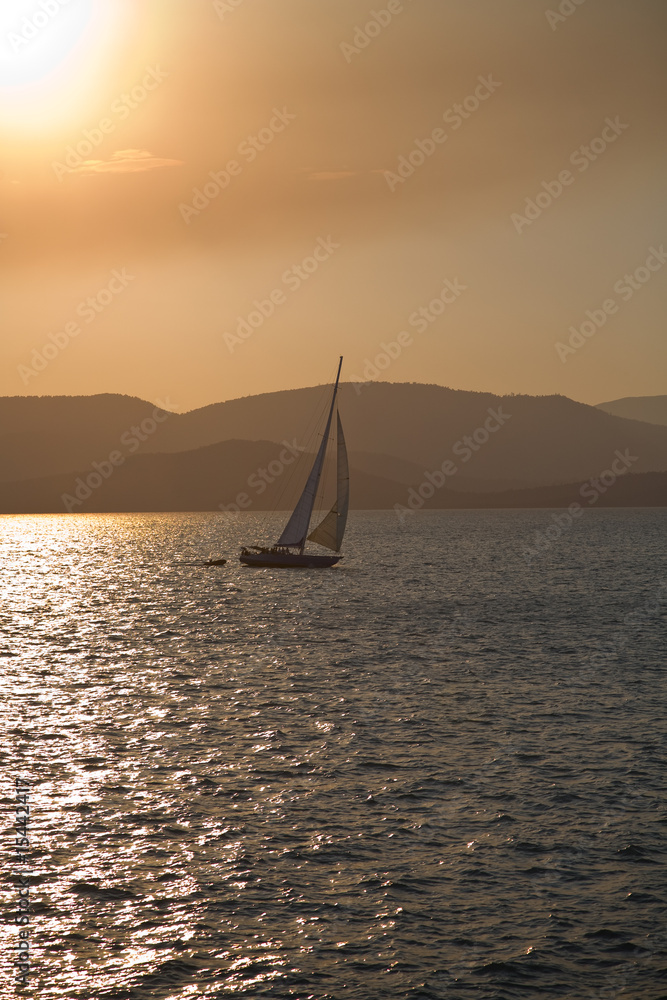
{"x": 652, "y": 409}
{"x": 123, "y": 453}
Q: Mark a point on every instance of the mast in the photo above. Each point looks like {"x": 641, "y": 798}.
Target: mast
{"x": 340, "y": 365}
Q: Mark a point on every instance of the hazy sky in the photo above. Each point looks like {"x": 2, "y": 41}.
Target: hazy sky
{"x": 113, "y": 113}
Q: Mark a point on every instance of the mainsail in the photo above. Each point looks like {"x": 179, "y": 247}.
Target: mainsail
{"x": 296, "y": 528}
{"x": 330, "y": 531}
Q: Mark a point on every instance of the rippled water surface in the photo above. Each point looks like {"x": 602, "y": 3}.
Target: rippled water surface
{"x": 432, "y": 772}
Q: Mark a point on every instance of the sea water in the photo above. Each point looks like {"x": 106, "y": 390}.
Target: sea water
{"x": 435, "y": 771}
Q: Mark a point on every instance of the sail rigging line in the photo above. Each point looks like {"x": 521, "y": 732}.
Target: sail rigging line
{"x": 324, "y": 481}
{"x": 311, "y": 439}
{"x": 330, "y": 531}
{"x": 297, "y": 471}
{"x": 320, "y": 504}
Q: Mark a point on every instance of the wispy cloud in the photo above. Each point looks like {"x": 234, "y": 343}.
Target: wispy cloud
{"x": 126, "y": 161}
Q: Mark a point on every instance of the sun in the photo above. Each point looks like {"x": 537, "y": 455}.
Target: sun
{"x": 52, "y": 57}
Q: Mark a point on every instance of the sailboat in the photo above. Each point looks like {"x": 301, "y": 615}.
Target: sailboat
{"x": 290, "y": 549}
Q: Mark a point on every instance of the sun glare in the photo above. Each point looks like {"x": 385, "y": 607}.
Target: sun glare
{"x": 52, "y": 57}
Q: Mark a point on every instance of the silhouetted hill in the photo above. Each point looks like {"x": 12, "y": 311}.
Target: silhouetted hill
{"x": 641, "y": 489}
{"x": 408, "y": 428}
{"x": 401, "y": 471}
{"x": 651, "y": 409}
{"x": 44, "y": 435}
{"x": 543, "y": 440}
{"x": 261, "y": 475}
{"x": 249, "y": 474}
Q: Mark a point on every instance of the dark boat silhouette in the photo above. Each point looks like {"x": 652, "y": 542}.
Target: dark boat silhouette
{"x": 289, "y": 552}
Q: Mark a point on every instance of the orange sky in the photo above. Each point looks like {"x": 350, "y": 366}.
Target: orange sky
{"x": 117, "y": 276}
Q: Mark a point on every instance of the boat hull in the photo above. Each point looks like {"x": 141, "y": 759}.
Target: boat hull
{"x": 288, "y": 560}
